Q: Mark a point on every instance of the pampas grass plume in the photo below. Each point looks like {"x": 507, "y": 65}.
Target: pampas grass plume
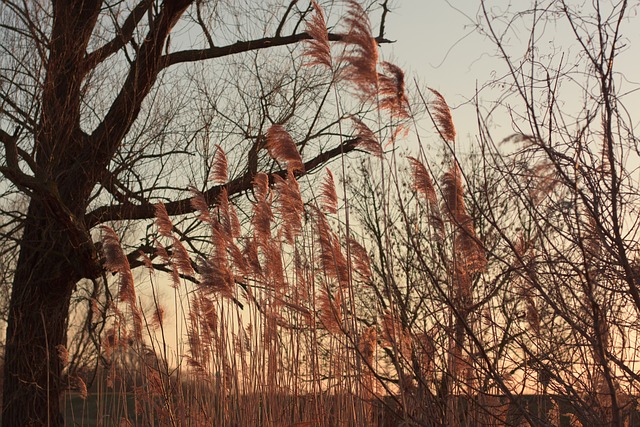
{"x": 367, "y": 140}
{"x": 442, "y": 117}
{"x": 317, "y": 48}
{"x": 219, "y": 167}
{"x": 362, "y": 54}
{"x": 328, "y": 196}
{"x": 282, "y": 148}
{"x": 165, "y": 226}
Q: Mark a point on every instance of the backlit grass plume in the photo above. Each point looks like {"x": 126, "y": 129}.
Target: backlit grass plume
{"x": 361, "y": 56}
{"x": 262, "y": 212}
{"x": 116, "y": 261}
{"x": 328, "y": 196}
{"x": 442, "y": 117}
{"x": 219, "y": 167}
{"x": 423, "y": 185}
{"x": 199, "y": 203}
{"x": 330, "y": 257}
{"x": 392, "y": 91}
{"x": 360, "y": 260}
{"x": 282, "y": 148}
{"x": 290, "y": 205}
{"x": 465, "y": 237}
{"x": 317, "y": 48}
{"x": 367, "y": 140}
{"x": 422, "y": 181}
{"x": 165, "y": 226}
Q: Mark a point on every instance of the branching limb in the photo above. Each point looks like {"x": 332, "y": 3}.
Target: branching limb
{"x": 284, "y": 17}
{"x": 194, "y": 55}
{"x": 107, "y": 137}
{"x": 202, "y": 24}
{"x": 10, "y": 147}
{"x": 383, "y": 19}
{"x": 12, "y": 171}
{"x": 124, "y": 35}
{"x": 118, "y": 190}
{"x": 234, "y": 187}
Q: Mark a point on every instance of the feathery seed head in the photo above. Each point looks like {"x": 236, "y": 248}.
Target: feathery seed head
{"x": 422, "y": 182}
{"x": 328, "y": 196}
{"x": 282, "y": 148}
{"x": 367, "y": 140}
{"x": 219, "y": 167}
{"x": 392, "y": 91}
{"x": 361, "y": 56}
{"x": 442, "y": 117}
{"x": 162, "y": 220}
{"x": 317, "y": 48}
{"x": 199, "y": 203}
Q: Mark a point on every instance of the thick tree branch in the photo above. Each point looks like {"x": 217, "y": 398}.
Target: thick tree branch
{"x": 26, "y": 183}
{"x": 125, "y": 34}
{"x": 284, "y": 17}
{"x": 183, "y": 206}
{"x": 107, "y": 137}
{"x": 25, "y": 119}
{"x": 205, "y": 30}
{"x": 383, "y": 19}
{"x": 117, "y": 189}
{"x": 194, "y": 55}
{"x": 10, "y": 147}
{"x": 58, "y": 136}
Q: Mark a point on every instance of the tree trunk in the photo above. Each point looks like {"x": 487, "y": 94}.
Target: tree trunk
{"x": 44, "y": 280}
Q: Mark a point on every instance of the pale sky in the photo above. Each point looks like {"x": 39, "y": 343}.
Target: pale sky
{"x": 438, "y": 44}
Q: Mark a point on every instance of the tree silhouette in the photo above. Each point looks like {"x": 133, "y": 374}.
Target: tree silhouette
{"x": 93, "y": 133}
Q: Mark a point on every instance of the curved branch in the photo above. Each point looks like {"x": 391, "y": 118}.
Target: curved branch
{"x": 124, "y": 35}
{"x": 26, "y": 183}
{"x": 284, "y": 17}
{"x": 234, "y": 187}
{"x": 107, "y": 137}
{"x": 194, "y": 55}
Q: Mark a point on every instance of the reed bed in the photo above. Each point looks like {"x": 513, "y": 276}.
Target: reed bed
{"x": 405, "y": 293}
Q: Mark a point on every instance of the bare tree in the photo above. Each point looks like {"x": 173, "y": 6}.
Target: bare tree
{"x": 106, "y": 107}
{"x": 553, "y": 206}
{"x": 571, "y": 181}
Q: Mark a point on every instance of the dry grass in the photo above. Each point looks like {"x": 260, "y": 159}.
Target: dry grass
{"x": 287, "y": 319}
